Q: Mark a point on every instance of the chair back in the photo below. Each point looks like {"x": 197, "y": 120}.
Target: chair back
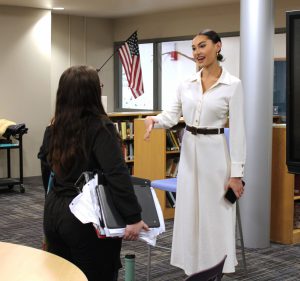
{"x": 226, "y": 133}
{"x": 211, "y": 274}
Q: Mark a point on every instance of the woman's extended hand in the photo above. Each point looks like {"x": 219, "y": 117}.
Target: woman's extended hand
{"x": 237, "y": 186}
{"x": 149, "y": 123}
{"x": 132, "y": 231}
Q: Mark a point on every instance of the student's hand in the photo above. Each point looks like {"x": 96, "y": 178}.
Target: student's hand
{"x": 236, "y": 185}
{"x": 132, "y": 231}
{"x": 149, "y": 123}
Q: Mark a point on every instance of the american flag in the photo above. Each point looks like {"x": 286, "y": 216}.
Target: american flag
{"x": 130, "y": 58}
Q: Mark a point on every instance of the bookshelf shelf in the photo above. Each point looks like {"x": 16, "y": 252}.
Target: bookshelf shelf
{"x": 173, "y": 152}
{"x": 296, "y": 198}
{"x": 296, "y": 231}
{"x": 296, "y": 235}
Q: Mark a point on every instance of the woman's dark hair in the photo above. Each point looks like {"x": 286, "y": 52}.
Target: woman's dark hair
{"x": 78, "y": 100}
{"x": 213, "y": 36}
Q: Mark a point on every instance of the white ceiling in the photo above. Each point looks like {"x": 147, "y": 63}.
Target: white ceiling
{"x": 113, "y": 8}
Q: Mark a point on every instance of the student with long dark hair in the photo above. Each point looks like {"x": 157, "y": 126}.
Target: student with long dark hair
{"x": 204, "y": 226}
{"x": 82, "y": 138}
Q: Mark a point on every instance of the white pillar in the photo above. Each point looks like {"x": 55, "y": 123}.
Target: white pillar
{"x": 257, "y": 32}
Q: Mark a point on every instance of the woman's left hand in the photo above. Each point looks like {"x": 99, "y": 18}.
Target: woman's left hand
{"x": 132, "y": 231}
{"x": 236, "y": 185}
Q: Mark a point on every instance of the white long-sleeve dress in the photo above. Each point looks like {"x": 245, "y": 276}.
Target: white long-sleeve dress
{"x": 204, "y": 225}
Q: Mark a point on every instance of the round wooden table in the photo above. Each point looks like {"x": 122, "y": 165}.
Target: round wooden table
{"x": 21, "y": 263}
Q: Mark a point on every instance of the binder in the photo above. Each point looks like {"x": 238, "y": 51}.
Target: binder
{"x": 111, "y": 216}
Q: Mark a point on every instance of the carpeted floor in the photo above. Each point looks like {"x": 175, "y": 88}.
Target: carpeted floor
{"x": 21, "y": 223}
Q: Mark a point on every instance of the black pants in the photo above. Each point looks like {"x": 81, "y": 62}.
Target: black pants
{"x": 66, "y": 236}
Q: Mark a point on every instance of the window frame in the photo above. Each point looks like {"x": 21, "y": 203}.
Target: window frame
{"x": 156, "y": 73}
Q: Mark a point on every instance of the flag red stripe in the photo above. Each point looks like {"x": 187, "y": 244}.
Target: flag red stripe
{"x": 126, "y": 60}
{"x": 136, "y": 76}
{"x": 130, "y": 59}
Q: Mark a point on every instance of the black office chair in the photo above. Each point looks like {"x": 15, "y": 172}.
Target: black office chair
{"x": 211, "y": 274}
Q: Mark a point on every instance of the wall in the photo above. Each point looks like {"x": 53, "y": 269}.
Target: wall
{"x": 25, "y": 53}
{"x": 281, "y": 7}
{"x": 81, "y": 40}
{"x": 29, "y": 72}
{"x": 222, "y": 18}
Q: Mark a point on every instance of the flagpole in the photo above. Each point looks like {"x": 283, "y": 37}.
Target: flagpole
{"x": 98, "y": 69}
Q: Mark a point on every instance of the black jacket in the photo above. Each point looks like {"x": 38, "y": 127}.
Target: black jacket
{"x": 104, "y": 154}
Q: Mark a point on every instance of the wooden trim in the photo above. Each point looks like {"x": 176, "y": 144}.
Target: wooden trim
{"x": 282, "y": 195}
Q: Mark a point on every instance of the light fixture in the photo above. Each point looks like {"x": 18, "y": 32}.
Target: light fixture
{"x": 58, "y": 8}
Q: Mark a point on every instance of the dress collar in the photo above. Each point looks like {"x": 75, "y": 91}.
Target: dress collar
{"x": 225, "y": 77}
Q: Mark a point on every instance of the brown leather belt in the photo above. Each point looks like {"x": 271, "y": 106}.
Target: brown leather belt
{"x": 204, "y": 131}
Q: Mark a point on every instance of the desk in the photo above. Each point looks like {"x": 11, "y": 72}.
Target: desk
{"x": 21, "y": 263}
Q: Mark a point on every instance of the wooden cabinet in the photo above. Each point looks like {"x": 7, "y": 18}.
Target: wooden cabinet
{"x": 124, "y": 122}
{"x": 151, "y": 159}
{"x": 283, "y": 198}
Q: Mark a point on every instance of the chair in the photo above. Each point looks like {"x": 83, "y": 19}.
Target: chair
{"x": 211, "y": 274}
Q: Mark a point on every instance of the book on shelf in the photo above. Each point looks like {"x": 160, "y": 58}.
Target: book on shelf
{"x": 128, "y": 151}
{"x": 118, "y": 127}
{"x": 179, "y": 134}
{"x": 129, "y": 131}
{"x": 170, "y": 144}
{"x": 172, "y": 167}
{"x": 171, "y": 197}
{"x": 125, "y": 129}
{"x": 131, "y": 155}
{"x": 174, "y": 138}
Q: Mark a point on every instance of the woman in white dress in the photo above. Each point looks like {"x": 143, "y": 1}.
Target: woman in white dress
{"x": 204, "y": 225}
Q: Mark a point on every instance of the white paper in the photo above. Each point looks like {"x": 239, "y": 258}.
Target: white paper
{"x": 82, "y": 206}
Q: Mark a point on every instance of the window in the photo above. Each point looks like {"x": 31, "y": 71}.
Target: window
{"x": 145, "y": 101}
{"x": 279, "y": 92}
{"x": 177, "y": 64}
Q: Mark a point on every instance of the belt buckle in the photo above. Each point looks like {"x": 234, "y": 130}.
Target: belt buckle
{"x": 193, "y": 130}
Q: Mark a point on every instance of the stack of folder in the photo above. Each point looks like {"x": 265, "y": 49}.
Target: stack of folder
{"x": 95, "y": 205}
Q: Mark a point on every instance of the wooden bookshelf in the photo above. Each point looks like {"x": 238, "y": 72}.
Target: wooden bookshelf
{"x": 151, "y": 158}
{"x": 283, "y": 190}
{"x": 128, "y": 140}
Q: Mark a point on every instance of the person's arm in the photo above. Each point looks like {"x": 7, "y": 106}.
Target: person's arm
{"x": 107, "y": 151}
{"x": 168, "y": 118}
{"x": 237, "y": 140}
